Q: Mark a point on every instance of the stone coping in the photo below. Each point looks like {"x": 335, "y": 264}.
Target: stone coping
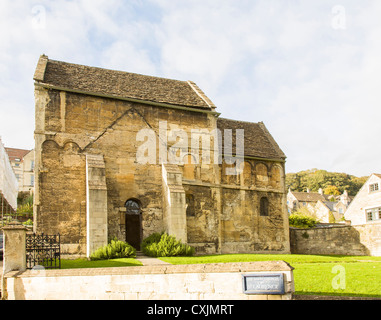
{"x": 259, "y": 266}
{"x": 14, "y": 225}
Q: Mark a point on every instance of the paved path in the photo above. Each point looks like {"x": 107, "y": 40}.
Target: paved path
{"x": 149, "y": 261}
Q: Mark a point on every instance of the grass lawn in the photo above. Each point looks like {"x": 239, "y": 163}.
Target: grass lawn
{"x": 361, "y": 279}
{"x": 315, "y": 274}
{"x": 84, "y": 263}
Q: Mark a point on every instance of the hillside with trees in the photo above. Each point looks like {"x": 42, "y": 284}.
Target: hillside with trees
{"x": 331, "y": 182}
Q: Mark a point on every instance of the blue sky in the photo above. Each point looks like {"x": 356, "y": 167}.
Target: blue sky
{"x": 310, "y": 70}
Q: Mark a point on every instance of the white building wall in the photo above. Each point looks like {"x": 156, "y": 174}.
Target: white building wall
{"x": 364, "y": 200}
{"x": 28, "y": 172}
{"x": 8, "y": 181}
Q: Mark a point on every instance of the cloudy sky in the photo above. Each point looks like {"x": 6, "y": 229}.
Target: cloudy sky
{"x": 310, "y": 70}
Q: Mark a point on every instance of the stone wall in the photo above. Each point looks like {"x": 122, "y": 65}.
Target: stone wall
{"x": 337, "y": 240}
{"x": 370, "y": 237}
{"x": 169, "y": 282}
{"x": 226, "y": 219}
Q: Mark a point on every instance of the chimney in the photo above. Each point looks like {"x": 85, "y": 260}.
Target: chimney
{"x": 344, "y": 198}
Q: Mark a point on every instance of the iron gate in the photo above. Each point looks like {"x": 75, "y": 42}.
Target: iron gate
{"x": 43, "y": 250}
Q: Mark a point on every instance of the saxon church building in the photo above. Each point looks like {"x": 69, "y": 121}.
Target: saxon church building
{"x": 125, "y": 155}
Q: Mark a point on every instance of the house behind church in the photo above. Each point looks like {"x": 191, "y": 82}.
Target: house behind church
{"x": 326, "y": 208}
{"x": 125, "y": 155}
{"x": 8, "y": 185}
{"x": 365, "y": 208}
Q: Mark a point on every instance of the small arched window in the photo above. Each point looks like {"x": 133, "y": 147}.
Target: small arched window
{"x": 132, "y": 207}
{"x": 264, "y": 207}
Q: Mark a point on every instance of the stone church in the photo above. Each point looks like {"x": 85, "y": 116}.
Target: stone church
{"x": 125, "y": 155}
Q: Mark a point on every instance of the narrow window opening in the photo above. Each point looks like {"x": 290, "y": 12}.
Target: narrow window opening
{"x": 190, "y": 205}
{"x": 264, "y": 207}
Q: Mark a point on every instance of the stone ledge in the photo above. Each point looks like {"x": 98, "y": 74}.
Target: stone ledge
{"x": 260, "y": 266}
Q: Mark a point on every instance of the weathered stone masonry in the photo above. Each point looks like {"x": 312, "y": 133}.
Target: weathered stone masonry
{"x": 85, "y": 113}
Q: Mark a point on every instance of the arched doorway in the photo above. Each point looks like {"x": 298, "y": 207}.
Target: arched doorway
{"x": 134, "y": 230}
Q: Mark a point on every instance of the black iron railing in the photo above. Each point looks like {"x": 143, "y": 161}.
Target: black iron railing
{"x": 43, "y": 250}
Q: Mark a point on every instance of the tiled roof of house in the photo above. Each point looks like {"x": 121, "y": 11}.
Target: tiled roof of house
{"x": 120, "y": 84}
{"x": 258, "y": 140}
{"x": 14, "y": 154}
{"x": 309, "y": 196}
{"x": 331, "y": 205}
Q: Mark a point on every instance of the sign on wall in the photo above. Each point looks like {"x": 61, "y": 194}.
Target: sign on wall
{"x": 263, "y": 283}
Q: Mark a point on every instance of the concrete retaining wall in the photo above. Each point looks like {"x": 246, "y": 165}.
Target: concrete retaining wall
{"x": 169, "y": 282}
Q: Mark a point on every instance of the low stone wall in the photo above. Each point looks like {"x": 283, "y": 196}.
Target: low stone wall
{"x": 337, "y": 240}
{"x": 168, "y": 282}
{"x": 370, "y": 237}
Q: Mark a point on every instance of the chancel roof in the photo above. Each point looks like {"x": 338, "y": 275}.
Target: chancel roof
{"x": 258, "y": 142}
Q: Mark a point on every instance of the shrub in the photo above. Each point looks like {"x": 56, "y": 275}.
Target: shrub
{"x": 153, "y": 238}
{"x": 115, "y": 249}
{"x": 302, "y": 221}
{"x": 164, "y": 245}
{"x": 29, "y": 222}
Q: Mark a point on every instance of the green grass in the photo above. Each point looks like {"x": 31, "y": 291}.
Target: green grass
{"x": 290, "y": 258}
{"x": 361, "y": 279}
{"x": 313, "y": 274}
{"x": 84, "y": 263}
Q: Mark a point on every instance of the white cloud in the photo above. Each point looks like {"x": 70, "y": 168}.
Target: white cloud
{"x": 314, "y": 86}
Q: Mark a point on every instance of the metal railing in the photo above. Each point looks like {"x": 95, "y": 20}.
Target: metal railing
{"x": 43, "y": 250}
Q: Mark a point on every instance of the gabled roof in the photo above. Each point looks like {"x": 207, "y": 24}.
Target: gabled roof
{"x": 377, "y": 175}
{"x": 118, "y": 84}
{"x": 14, "y": 153}
{"x": 327, "y": 204}
{"x": 331, "y": 205}
{"x": 258, "y": 141}
{"x": 308, "y": 196}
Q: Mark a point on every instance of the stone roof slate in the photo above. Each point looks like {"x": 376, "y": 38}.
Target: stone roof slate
{"x": 258, "y": 140}
{"x": 125, "y": 85}
{"x": 121, "y": 84}
{"x": 309, "y": 196}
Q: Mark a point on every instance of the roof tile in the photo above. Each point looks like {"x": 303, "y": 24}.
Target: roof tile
{"x": 258, "y": 141}
{"x": 121, "y": 84}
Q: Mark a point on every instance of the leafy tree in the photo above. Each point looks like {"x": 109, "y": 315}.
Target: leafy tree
{"x": 315, "y": 179}
{"x": 332, "y": 190}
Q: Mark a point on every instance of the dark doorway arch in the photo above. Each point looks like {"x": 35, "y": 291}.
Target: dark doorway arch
{"x": 134, "y": 229}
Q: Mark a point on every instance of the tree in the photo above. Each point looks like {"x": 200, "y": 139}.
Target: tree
{"x": 332, "y": 190}
{"x": 315, "y": 179}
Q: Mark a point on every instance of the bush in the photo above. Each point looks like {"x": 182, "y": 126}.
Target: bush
{"x": 115, "y": 249}
{"x": 302, "y": 221}
{"x": 29, "y": 222}
{"x": 164, "y": 245}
